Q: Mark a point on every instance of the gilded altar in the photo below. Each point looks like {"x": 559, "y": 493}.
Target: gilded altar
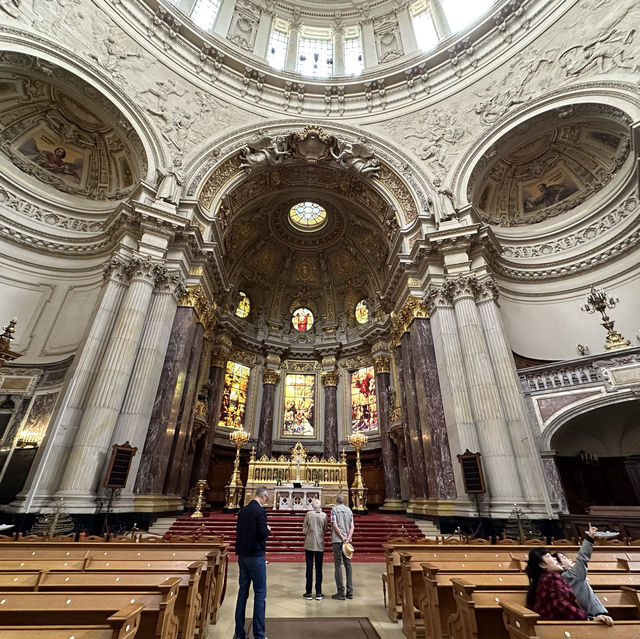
{"x": 328, "y": 474}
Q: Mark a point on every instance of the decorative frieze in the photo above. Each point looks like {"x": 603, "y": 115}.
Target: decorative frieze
{"x": 195, "y": 297}
{"x": 401, "y": 321}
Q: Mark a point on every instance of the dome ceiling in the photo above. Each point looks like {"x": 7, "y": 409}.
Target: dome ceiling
{"x": 281, "y": 267}
{"x": 62, "y": 131}
{"x": 550, "y": 164}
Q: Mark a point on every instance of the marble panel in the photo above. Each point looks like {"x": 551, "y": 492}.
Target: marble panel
{"x": 265, "y": 429}
{"x": 330, "y": 422}
{"x": 389, "y": 453}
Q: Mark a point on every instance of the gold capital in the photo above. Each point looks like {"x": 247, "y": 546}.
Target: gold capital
{"x": 270, "y": 376}
{"x": 330, "y": 378}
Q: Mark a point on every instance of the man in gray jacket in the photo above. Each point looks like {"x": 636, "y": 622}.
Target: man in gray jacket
{"x": 341, "y": 531}
{"x": 314, "y": 528}
{"x": 576, "y": 576}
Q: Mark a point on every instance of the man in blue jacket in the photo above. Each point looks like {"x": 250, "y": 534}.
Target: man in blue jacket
{"x": 251, "y": 536}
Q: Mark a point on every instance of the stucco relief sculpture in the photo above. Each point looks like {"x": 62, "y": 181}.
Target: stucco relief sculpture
{"x": 170, "y": 182}
{"x": 311, "y": 147}
{"x": 442, "y": 202}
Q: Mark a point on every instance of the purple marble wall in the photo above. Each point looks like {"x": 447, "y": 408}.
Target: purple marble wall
{"x": 430, "y": 411}
{"x": 331, "y": 422}
{"x": 180, "y": 459}
{"x": 164, "y": 418}
{"x": 413, "y": 432}
{"x": 389, "y": 453}
{"x": 204, "y": 446}
{"x": 265, "y": 431}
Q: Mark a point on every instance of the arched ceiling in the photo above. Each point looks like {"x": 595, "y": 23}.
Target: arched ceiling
{"x": 65, "y": 133}
{"x": 281, "y": 267}
{"x": 550, "y": 164}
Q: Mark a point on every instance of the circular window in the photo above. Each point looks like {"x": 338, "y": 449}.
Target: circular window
{"x": 362, "y": 312}
{"x": 244, "y": 305}
{"x": 308, "y": 216}
{"x": 302, "y": 319}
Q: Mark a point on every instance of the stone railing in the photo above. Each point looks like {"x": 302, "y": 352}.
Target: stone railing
{"x": 575, "y": 372}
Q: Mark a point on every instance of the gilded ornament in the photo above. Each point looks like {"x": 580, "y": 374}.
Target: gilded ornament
{"x": 401, "y": 321}
{"x": 382, "y": 364}
{"x": 195, "y": 297}
{"x": 330, "y": 378}
{"x": 219, "y": 359}
{"x": 270, "y": 376}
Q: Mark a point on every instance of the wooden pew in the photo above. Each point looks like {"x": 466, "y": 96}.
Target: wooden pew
{"x": 121, "y": 625}
{"x": 157, "y": 619}
{"x": 522, "y": 623}
{"x": 479, "y": 615}
{"x": 188, "y": 602}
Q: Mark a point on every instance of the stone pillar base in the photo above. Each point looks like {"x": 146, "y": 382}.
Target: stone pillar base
{"x": 416, "y": 506}
{"x": 393, "y": 506}
{"x": 157, "y": 503}
{"x": 439, "y": 507}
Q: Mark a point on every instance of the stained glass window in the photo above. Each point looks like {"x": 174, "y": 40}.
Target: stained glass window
{"x": 362, "y": 312}
{"x": 299, "y": 405}
{"x": 234, "y": 396}
{"x": 364, "y": 413}
{"x": 302, "y": 319}
{"x": 308, "y": 216}
{"x": 244, "y": 305}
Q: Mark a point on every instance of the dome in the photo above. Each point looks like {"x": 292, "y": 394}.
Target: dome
{"x": 550, "y": 164}
{"x": 64, "y": 133}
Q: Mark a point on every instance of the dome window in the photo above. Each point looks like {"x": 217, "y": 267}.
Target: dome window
{"x": 302, "y": 319}
{"x": 362, "y": 312}
{"x": 308, "y": 216}
{"x": 244, "y": 305}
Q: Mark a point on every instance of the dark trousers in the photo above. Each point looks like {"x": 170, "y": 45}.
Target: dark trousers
{"x": 311, "y": 556}
{"x": 251, "y": 569}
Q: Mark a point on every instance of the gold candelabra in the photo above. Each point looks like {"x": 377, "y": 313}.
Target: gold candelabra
{"x": 201, "y": 484}
{"x": 358, "y": 489}
{"x": 234, "y": 489}
{"x": 598, "y": 300}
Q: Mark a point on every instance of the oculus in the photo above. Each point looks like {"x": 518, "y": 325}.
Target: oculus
{"x": 244, "y": 305}
{"x": 307, "y": 216}
{"x": 302, "y": 319}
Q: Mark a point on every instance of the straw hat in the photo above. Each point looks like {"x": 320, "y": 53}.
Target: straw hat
{"x": 347, "y": 549}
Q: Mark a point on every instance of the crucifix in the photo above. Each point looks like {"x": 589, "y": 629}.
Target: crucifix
{"x": 298, "y": 455}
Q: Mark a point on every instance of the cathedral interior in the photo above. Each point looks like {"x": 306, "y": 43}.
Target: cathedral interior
{"x": 404, "y": 234}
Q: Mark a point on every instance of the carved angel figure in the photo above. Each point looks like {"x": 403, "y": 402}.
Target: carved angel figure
{"x": 267, "y": 151}
{"x": 356, "y": 158}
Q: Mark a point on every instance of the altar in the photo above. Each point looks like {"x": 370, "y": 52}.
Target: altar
{"x": 319, "y": 478}
{"x": 290, "y": 497}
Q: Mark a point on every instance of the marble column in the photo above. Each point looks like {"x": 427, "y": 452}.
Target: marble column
{"x": 44, "y": 478}
{"x": 291, "y": 63}
{"x": 135, "y": 414}
{"x": 413, "y": 432}
{"x": 440, "y": 482}
{"x": 265, "y": 431}
{"x": 86, "y": 461}
{"x": 406, "y": 30}
{"x": 164, "y": 418}
{"x": 440, "y": 19}
{"x": 524, "y": 446}
{"x": 263, "y": 34}
{"x": 338, "y": 51}
{"x": 204, "y": 445}
{"x": 369, "y": 52}
{"x": 392, "y": 496}
{"x": 498, "y": 459}
{"x": 224, "y": 17}
{"x": 330, "y": 383}
{"x": 179, "y": 445}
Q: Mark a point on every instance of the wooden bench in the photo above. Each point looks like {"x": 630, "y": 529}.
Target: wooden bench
{"x": 522, "y": 623}
{"x": 157, "y": 619}
{"x": 479, "y": 614}
{"x": 121, "y": 625}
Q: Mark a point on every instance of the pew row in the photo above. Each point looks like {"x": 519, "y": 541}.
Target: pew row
{"x": 121, "y": 625}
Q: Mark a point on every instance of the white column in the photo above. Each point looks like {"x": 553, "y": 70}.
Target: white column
{"x": 497, "y": 453}
{"x": 369, "y": 52}
{"x": 338, "y": 52}
{"x": 223, "y": 19}
{"x": 86, "y": 461}
{"x": 133, "y": 420}
{"x": 46, "y": 472}
{"x": 406, "y": 30}
{"x": 529, "y": 463}
{"x": 263, "y": 34}
{"x": 440, "y": 19}
{"x": 292, "y": 48}
{"x": 186, "y": 6}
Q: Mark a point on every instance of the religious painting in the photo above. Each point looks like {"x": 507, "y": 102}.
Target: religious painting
{"x": 607, "y": 139}
{"x": 302, "y": 319}
{"x": 362, "y": 312}
{"x": 364, "y": 412}
{"x": 48, "y": 151}
{"x": 554, "y": 187}
{"x": 234, "y": 396}
{"x": 37, "y": 421}
{"x": 299, "y": 405}
{"x": 244, "y": 305}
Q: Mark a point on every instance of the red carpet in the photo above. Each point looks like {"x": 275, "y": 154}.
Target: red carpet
{"x": 286, "y": 540}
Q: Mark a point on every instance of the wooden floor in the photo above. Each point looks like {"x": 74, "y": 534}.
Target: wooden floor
{"x": 285, "y": 586}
